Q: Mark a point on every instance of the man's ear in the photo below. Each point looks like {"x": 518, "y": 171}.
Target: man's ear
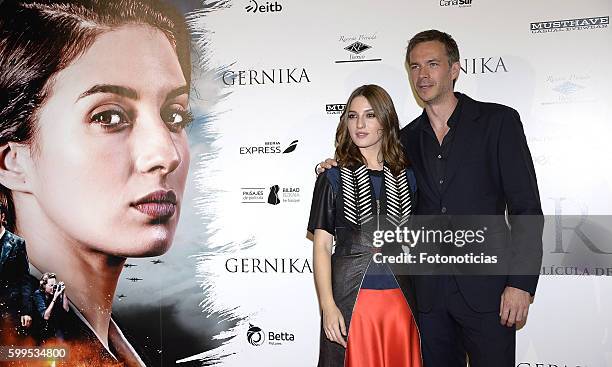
{"x": 455, "y": 70}
{"x": 13, "y": 166}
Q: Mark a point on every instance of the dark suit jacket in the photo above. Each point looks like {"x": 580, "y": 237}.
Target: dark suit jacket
{"x": 15, "y": 286}
{"x": 489, "y": 170}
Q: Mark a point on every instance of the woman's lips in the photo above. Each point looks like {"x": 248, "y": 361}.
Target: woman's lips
{"x": 160, "y": 204}
{"x": 361, "y": 135}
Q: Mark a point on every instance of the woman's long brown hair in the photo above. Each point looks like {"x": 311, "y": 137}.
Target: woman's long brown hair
{"x": 348, "y": 154}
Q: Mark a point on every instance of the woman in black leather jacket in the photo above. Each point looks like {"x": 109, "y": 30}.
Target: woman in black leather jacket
{"x": 367, "y": 317}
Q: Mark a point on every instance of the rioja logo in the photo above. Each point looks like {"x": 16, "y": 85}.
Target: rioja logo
{"x": 357, "y": 47}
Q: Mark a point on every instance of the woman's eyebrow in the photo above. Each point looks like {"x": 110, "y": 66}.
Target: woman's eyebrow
{"x": 178, "y": 92}
{"x": 113, "y": 89}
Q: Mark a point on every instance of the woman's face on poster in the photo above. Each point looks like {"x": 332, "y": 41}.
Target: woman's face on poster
{"x": 110, "y": 157}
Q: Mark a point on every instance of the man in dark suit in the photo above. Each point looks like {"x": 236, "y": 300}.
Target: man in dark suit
{"x": 15, "y": 284}
{"x": 471, "y": 158}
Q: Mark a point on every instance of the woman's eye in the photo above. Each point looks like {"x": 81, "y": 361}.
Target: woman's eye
{"x": 110, "y": 119}
{"x": 177, "y": 119}
{"x": 352, "y": 116}
{"x": 371, "y": 115}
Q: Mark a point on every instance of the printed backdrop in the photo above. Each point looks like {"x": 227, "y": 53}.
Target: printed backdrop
{"x": 270, "y": 83}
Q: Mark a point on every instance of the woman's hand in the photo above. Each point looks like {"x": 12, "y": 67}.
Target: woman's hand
{"x": 325, "y": 165}
{"x": 333, "y": 325}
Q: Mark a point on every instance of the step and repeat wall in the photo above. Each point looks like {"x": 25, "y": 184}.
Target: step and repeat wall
{"x": 275, "y": 76}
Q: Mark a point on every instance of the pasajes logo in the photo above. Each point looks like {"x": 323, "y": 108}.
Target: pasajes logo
{"x": 483, "y": 65}
{"x": 255, "y": 336}
{"x": 266, "y": 76}
{"x": 261, "y": 7}
{"x": 358, "y": 47}
{"x": 269, "y": 147}
{"x": 457, "y": 3}
{"x": 273, "y": 195}
{"x": 570, "y": 24}
{"x": 335, "y": 109}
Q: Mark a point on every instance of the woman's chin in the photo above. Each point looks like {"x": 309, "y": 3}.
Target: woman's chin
{"x": 151, "y": 245}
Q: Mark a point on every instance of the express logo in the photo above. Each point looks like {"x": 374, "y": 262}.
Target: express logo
{"x": 269, "y": 147}
{"x": 268, "y": 7}
{"x": 255, "y": 336}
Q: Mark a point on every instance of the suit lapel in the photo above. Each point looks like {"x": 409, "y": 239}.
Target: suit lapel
{"x": 463, "y": 140}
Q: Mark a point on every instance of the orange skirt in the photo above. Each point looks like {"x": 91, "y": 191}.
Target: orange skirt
{"x": 383, "y": 332}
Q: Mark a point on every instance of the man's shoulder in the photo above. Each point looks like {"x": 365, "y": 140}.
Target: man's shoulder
{"x": 486, "y": 108}
{"x": 410, "y": 128}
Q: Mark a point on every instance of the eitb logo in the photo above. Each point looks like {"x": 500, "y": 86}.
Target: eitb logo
{"x": 255, "y": 336}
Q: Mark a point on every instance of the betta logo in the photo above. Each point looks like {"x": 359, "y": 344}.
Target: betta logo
{"x": 255, "y": 336}
{"x": 268, "y": 7}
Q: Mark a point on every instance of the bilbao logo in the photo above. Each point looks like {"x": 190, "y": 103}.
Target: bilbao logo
{"x": 255, "y": 336}
{"x": 261, "y": 7}
{"x": 273, "y": 195}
